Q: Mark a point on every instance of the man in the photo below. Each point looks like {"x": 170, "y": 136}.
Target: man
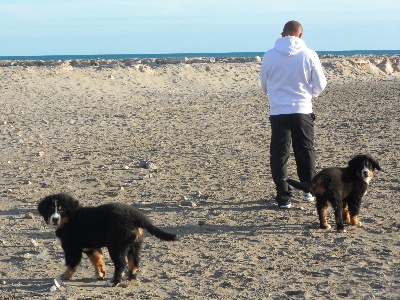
{"x": 291, "y": 74}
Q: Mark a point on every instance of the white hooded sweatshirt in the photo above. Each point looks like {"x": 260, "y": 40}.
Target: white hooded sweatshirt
{"x": 291, "y": 74}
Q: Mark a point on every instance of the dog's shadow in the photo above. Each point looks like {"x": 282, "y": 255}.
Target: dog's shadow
{"x": 272, "y": 226}
{"x": 255, "y": 205}
{"x": 36, "y": 285}
{"x": 17, "y": 212}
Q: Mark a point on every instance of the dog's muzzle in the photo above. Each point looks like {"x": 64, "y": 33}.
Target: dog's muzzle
{"x": 55, "y": 220}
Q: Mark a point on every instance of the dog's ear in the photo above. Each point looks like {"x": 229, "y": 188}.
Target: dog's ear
{"x": 42, "y": 207}
{"x": 69, "y": 202}
{"x": 355, "y": 161}
{"x": 75, "y": 204}
{"x": 374, "y": 163}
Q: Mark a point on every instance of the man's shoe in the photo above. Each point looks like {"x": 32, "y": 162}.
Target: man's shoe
{"x": 283, "y": 198}
{"x": 285, "y": 206}
{"x": 307, "y": 197}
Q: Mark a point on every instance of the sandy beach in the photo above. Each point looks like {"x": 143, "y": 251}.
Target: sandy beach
{"x": 86, "y": 127}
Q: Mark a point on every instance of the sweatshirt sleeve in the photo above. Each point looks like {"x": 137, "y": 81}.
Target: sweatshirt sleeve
{"x": 318, "y": 78}
{"x": 263, "y": 76}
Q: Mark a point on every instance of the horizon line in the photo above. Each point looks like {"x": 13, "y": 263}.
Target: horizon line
{"x": 179, "y": 54}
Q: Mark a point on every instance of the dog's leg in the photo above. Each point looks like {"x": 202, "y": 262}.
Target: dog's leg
{"x": 132, "y": 267}
{"x": 354, "y": 221}
{"x": 118, "y": 258}
{"x": 354, "y": 208}
{"x": 72, "y": 260}
{"x": 322, "y": 207}
{"x": 134, "y": 259}
{"x": 67, "y": 275}
{"x": 338, "y": 208}
{"x": 96, "y": 258}
{"x": 346, "y": 214}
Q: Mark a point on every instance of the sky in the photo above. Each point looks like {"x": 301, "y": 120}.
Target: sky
{"x": 87, "y": 27}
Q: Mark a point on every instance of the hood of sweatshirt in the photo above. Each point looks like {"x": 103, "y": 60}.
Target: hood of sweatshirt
{"x": 289, "y": 45}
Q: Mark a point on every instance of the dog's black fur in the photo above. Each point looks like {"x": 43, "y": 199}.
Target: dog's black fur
{"x": 117, "y": 226}
{"x": 342, "y": 187}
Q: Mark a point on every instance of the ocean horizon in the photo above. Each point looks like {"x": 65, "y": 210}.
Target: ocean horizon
{"x": 189, "y": 55}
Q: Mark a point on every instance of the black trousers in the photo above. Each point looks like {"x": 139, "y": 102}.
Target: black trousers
{"x": 296, "y": 130}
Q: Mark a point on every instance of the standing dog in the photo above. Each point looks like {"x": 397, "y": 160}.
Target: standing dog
{"x": 116, "y": 226}
{"x": 343, "y": 188}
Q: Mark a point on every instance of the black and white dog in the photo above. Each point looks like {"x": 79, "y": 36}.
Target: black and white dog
{"x": 343, "y": 188}
{"x": 117, "y": 226}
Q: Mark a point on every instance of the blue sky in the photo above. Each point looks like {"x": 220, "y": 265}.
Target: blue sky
{"x": 48, "y": 27}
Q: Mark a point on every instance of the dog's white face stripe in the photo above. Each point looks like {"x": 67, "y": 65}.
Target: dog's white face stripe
{"x": 55, "y": 219}
{"x": 366, "y": 173}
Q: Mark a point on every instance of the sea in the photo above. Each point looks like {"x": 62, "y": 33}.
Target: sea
{"x": 167, "y": 55}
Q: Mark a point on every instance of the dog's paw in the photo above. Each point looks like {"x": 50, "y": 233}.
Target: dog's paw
{"x": 326, "y": 226}
{"x": 100, "y": 275}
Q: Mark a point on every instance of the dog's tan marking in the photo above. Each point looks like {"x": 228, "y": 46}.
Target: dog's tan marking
{"x": 369, "y": 178}
{"x": 63, "y": 221}
{"x": 68, "y": 273}
{"x": 324, "y": 223}
{"x": 138, "y": 231}
{"x": 97, "y": 260}
{"x": 132, "y": 268}
{"x": 354, "y": 221}
{"x": 346, "y": 213}
{"x": 319, "y": 189}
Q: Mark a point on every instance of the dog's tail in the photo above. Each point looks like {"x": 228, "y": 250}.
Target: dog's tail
{"x": 304, "y": 186}
{"x": 158, "y": 232}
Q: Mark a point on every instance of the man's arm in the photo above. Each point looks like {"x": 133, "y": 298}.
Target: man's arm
{"x": 263, "y": 76}
{"x": 317, "y": 78}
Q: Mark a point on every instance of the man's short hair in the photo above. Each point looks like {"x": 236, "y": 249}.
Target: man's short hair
{"x": 292, "y": 28}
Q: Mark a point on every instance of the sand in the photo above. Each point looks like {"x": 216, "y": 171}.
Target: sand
{"x": 87, "y": 127}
